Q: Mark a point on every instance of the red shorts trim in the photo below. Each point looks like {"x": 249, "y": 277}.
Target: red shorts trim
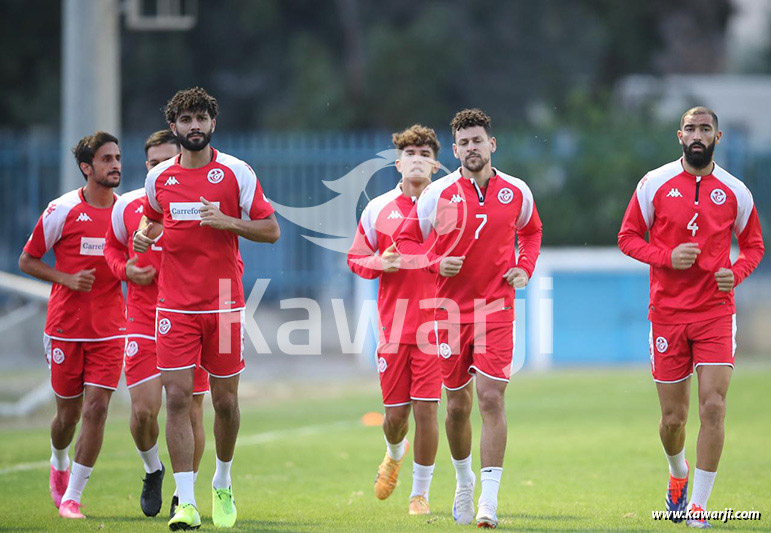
{"x": 76, "y": 364}
{"x": 676, "y": 349}
{"x": 407, "y": 373}
{"x": 213, "y": 341}
{"x": 467, "y": 349}
{"x": 141, "y": 365}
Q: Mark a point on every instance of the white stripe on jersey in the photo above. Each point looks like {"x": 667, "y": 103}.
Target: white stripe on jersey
{"x": 744, "y": 202}
{"x": 429, "y": 199}
{"x": 527, "y": 199}
{"x": 247, "y": 181}
{"x": 118, "y": 223}
{"x": 152, "y": 176}
{"x": 53, "y": 222}
{"x": 372, "y": 211}
{"x": 652, "y": 182}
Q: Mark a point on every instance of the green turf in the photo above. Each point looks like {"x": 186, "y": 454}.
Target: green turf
{"x": 583, "y": 454}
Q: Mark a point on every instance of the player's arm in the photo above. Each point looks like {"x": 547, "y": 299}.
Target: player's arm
{"x": 631, "y": 241}
{"x": 751, "y": 250}
{"x": 35, "y": 267}
{"x": 414, "y": 233}
{"x": 116, "y": 254}
{"x": 260, "y": 230}
{"x": 529, "y": 238}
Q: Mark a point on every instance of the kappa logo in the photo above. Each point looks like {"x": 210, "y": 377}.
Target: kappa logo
{"x": 661, "y": 344}
{"x": 132, "y": 348}
{"x": 382, "y": 364}
{"x": 395, "y": 214}
{"x": 456, "y": 199}
{"x": 140, "y": 209}
{"x": 718, "y": 196}
{"x": 58, "y": 356}
{"x": 83, "y": 217}
{"x": 445, "y": 350}
{"x": 164, "y": 325}
{"x": 172, "y": 181}
{"x": 505, "y": 195}
{"x": 215, "y": 175}
{"x": 674, "y": 193}
{"x": 51, "y": 209}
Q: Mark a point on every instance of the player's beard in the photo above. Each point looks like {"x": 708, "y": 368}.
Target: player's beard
{"x": 477, "y": 163}
{"x": 109, "y": 180}
{"x": 196, "y": 145}
{"x": 699, "y": 159}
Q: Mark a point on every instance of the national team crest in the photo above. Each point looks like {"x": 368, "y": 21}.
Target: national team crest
{"x": 58, "y": 356}
{"x": 445, "y": 350}
{"x": 661, "y": 344}
{"x": 382, "y": 365}
{"x": 132, "y": 348}
{"x": 718, "y": 196}
{"x": 164, "y": 325}
{"x": 215, "y": 175}
{"x": 505, "y": 195}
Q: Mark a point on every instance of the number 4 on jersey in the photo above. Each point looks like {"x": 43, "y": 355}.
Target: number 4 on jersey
{"x": 692, "y": 225}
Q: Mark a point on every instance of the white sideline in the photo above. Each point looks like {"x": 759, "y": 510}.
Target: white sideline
{"x": 246, "y": 440}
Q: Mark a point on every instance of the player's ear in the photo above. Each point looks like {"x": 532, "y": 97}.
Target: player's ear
{"x": 86, "y": 169}
{"x": 173, "y": 127}
{"x": 493, "y": 145}
{"x": 213, "y": 124}
{"x": 434, "y": 166}
{"x": 718, "y": 136}
{"x": 455, "y": 150}
{"x": 398, "y": 165}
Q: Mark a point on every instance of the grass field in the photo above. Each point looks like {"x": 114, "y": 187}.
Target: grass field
{"x": 583, "y": 454}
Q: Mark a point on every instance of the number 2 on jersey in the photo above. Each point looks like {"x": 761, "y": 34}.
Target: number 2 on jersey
{"x": 692, "y": 225}
{"x": 483, "y": 216}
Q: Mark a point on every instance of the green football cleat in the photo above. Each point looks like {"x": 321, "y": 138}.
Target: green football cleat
{"x": 223, "y": 507}
{"x": 186, "y": 517}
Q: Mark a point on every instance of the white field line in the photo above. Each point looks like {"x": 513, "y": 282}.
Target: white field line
{"x": 246, "y": 440}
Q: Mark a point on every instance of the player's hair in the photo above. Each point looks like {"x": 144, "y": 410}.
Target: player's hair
{"x": 417, "y": 135}
{"x": 161, "y": 137}
{"x": 194, "y": 99}
{"x": 468, "y": 118}
{"x": 86, "y": 148}
{"x": 698, "y": 110}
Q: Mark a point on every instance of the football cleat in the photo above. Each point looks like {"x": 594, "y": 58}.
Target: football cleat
{"x": 463, "y": 504}
{"x": 387, "y": 474}
{"x": 57, "y": 483}
{"x": 152, "y": 493}
{"x": 419, "y": 505}
{"x": 223, "y": 507}
{"x": 487, "y": 517}
{"x": 677, "y": 497}
{"x": 697, "y": 517}
{"x": 186, "y": 517}
{"x": 70, "y": 509}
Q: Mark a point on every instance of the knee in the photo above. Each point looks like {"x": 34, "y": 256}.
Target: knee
{"x": 712, "y": 410}
{"x": 458, "y": 411}
{"x": 177, "y": 400}
{"x": 425, "y": 412}
{"x": 674, "y": 419}
{"x": 143, "y": 414}
{"x": 226, "y": 405}
{"x": 490, "y": 401}
{"x": 68, "y": 416}
{"x": 95, "y": 412}
{"x": 396, "y": 418}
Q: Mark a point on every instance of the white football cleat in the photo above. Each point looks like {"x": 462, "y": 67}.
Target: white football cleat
{"x": 463, "y": 505}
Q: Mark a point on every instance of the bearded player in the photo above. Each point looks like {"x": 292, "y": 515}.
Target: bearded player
{"x": 690, "y": 208}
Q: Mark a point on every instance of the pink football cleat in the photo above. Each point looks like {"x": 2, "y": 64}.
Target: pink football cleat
{"x": 57, "y": 482}
{"x": 70, "y": 509}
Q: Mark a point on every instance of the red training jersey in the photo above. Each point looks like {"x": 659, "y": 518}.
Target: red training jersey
{"x": 400, "y": 292}
{"x": 676, "y": 207}
{"x": 75, "y": 230}
{"x": 200, "y": 266}
{"x": 483, "y": 226}
{"x": 141, "y": 299}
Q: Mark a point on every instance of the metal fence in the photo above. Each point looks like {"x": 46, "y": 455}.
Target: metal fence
{"x": 291, "y": 167}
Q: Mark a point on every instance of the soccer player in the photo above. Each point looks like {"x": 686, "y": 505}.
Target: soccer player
{"x": 477, "y": 213}
{"x": 142, "y": 375}
{"x": 690, "y": 208}
{"x": 409, "y": 376}
{"x": 86, "y": 322}
{"x": 202, "y": 200}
